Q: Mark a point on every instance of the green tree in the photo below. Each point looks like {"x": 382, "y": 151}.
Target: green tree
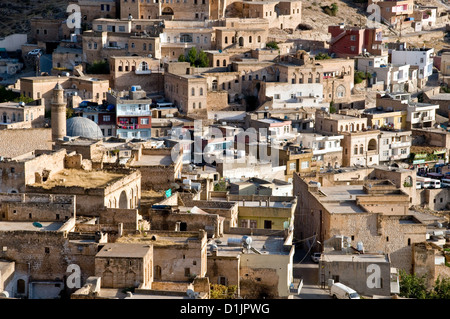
{"x": 23, "y": 98}
{"x": 412, "y": 286}
{"x": 332, "y": 107}
{"x": 441, "y": 289}
{"x": 182, "y": 58}
{"x": 7, "y": 95}
{"x": 322, "y": 56}
{"x": 202, "y": 60}
{"x": 192, "y": 55}
{"x": 98, "y": 67}
{"x": 222, "y": 292}
{"x": 272, "y": 45}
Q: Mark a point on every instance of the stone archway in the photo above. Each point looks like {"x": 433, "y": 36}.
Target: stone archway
{"x": 123, "y": 200}
{"x": 372, "y": 146}
{"x": 167, "y": 11}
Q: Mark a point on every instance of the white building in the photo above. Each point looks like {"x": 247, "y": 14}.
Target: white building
{"x": 394, "y": 145}
{"x": 393, "y": 77}
{"x": 422, "y": 58}
{"x": 287, "y": 95}
{"x": 421, "y": 114}
{"x": 324, "y": 147}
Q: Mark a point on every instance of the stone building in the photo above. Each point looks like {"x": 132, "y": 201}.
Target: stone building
{"x": 96, "y": 189}
{"x": 125, "y": 265}
{"x": 260, "y": 265}
{"x": 44, "y": 252}
{"x": 20, "y": 115}
{"x": 100, "y": 45}
{"x": 160, "y": 167}
{"x": 126, "y": 71}
{"x": 348, "y": 209}
{"x": 343, "y": 262}
{"x": 95, "y": 9}
{"x": 41, "y": 87}
{"x": 178, "y": 256}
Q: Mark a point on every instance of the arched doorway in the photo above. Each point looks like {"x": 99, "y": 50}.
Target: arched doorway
{"x": 372, "y": 145}
{"x": 241, "y": 41}
{"x": 21, "y": 286}
{"x": 167, "y": 11}
{"x": 123, "y": 200}
{"x": 157, "y": 273}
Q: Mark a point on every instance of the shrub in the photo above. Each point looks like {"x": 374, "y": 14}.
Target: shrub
{"x": 272, "y": 45}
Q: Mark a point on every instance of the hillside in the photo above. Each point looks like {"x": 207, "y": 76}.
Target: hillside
{"x": 352, "y": 13}
{"x": 16, "y": 15}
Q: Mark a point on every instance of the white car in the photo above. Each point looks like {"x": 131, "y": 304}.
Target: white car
{"x": 316, "y": 257}
{"x": 35, "y": 52}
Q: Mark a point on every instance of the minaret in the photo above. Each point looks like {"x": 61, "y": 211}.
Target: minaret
{"x": 58, "y": 114}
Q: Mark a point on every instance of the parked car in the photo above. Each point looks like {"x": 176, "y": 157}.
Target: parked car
{"x": 341, "y": 291}
{"x": 35, "y": 52}
{"x": 316, "y": 257}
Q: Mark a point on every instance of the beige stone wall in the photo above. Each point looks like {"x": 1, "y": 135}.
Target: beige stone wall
{"x": 224, "y": 266}
{"x": 30, "y": 116}
{"x": 44, "y": 208}
{"x": 180, "y": 261}
{"x": 391, "y": 234}
{"x": 40, "y": 254}
{"x": 365, "y": 141}
{"x": 187, "y": 92}
{"x": 125, "y": 272}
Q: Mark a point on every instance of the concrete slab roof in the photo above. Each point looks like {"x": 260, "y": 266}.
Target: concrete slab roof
{"x": 29, "y": 226}
{"x": 125, "y": 250}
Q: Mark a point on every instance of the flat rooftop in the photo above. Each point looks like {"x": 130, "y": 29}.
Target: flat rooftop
{"x": 364, "y": 258}
{"x": 342, "y": 199}
{"x": 264, "y": 244}
{"x": 30, "y": 226}
{"x": 80, "y": 178}
{"x": 127, "y": 250}
{"x": 153, "y": 160}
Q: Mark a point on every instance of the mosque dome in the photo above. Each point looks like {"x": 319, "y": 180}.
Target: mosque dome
{"x": 83, "y": 127}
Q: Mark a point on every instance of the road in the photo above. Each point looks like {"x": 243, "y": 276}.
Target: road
{"x": 304, "y": 268}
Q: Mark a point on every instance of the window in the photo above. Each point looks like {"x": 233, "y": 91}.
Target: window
{"x": 187, "y": 272}
{"x": 193, "y": 92}
{"x": 353, "y": 38}
{"x": 144, "y": 121}
{"x": 305, "y": 165}
{"x": 106, "y": 118}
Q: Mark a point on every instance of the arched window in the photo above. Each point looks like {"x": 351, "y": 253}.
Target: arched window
{"x": 143, "y": 66}
{"x": 250, "y": 39}
{"x": 201, "y": 91}
{"x": 192, "y": 91}
{"x": 224, "y": 62}
{"x": 259, "y": 38}
{"x": 340, "y": 91}
{"x": 226, "y": 40}
{"x": 361, "y": 149}
{"x": 372, "y": 145}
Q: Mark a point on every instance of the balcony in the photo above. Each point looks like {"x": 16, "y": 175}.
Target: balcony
{"x": 139, "y": 72}
{"x": 399, "y": 144}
